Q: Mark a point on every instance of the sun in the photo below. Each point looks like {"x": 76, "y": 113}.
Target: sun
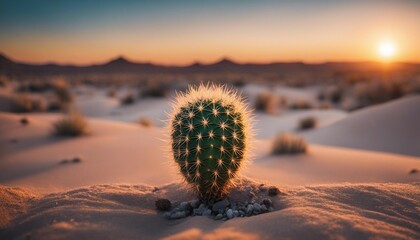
{"x": 386, "y": 50}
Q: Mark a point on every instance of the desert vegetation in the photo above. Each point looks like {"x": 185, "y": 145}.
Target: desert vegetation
{"x": 145, "y": 122}
{"x": 307, "y": 123}
{"x": 288, "y": 143}
{"x": 72, "y": 125}
{"x": 128, "y": 99}
{"x": 217, "y": 107}
{"x": 300, "y": 105}
{"x": 24, "y": 103}
{"x": 267, "y": 102}
{"x": 62, "y": 91}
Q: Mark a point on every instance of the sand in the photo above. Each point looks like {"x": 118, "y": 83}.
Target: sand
{"x": 345, "y": 211}
{"x": 117, "y": 152}
{"x": 390, "y": 127}
{"x": 332, "y": 192}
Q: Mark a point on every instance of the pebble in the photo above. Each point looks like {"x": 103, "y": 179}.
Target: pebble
{"x": 263, "y": 188}
{"x": 257, "y": 208}
{"x": 177, "y": 215}
{"x": 163, "y": 204}
{"x": 267, "y": 202}
{"x": 224, "y": 209}
{"x": 207, "y": 212}
{"x": 273, "y": 191}
{"x": 229, "y": 213}
{"x": 195, "y": 203}
{"x": 263, "y": 208}
{"x": 235, "y": 213}
{"x": 249, "y": 209}
{"x": 220, "y": 205}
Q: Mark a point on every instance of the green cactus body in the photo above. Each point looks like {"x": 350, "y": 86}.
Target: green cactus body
{"x": 209, "y": 136}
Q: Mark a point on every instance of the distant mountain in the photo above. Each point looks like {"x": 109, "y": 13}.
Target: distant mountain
{"x": 122, "y": 65}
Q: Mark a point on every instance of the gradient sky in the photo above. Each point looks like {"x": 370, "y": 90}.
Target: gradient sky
{"x": 181, "y": 32}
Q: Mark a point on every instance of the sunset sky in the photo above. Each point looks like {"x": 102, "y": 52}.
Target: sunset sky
{"x": 181, "y": 32}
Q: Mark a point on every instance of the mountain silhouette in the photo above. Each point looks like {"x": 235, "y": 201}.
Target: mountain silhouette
{"x": 225, "y": 65}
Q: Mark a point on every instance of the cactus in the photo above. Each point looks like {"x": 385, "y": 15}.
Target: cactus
{"x": 210, "y": 134}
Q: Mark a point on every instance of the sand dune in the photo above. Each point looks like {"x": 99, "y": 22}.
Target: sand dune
{"x": 390, "y": 127}
{"x": 118, "y": 152}
{"x": 338, "y": 211}
{"x": 114, "y": 152}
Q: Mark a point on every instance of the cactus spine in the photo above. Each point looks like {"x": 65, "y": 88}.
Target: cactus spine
{"x": 209, "y": 130}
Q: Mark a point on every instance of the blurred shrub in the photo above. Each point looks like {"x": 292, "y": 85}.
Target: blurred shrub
{"x": 267, "y": 102}
{"x": 154, "y": 90}
{"x": 34, "y": 86}
{"x": 307, "y": 123}
{"x": 55, "y": 106}
{"x": 62, "y": 91}
{"x": 145, "y": 122}
{"x": 375, "y": 92}
{"x": 128, "y": 99}
{"x": 112, "y": 93}
{"x": 74, "y": 124}
{"x": 23, "y": 103}
{"x": 333, "y": 94}
{"x": 300, "y": 105}
{"x": 287, "y": 143}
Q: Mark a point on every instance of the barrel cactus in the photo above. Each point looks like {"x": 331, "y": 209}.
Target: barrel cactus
{"x": 209, "y": 138}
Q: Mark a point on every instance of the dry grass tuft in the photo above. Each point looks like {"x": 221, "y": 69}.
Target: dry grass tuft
{"x": 145, "y": 122}
{"x": 300, "y": 105}
{"x": 307, "y": 123}
{"x": 128, "y": 99}
{"x": 62, "y": 91}
{"x": 23, "y": 103}
{"x": 267, "y": 102}
{"x": 74, "y": 124}
{"x": 287, "y": 143}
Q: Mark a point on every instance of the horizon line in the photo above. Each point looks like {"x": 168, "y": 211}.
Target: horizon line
{"x": 220, "y": 59}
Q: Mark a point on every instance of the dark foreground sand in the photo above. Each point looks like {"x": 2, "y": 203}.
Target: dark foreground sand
{"x": 335, "y": 211}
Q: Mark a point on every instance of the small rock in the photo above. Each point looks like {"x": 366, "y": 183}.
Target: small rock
{"x": 249, "y": 209}
{"x": 414, "y": 171}
{"x": 229, "y": 213}
{"x": 200, "y": 210}
{"x": 167, "y": 215}
{"x": 220, "y": 205}
{"x": 183, "y": 206}
{"x": 219, "y": 216}
{"x": 263, "y": 208}
{"x": 195, "y": 203}
{"x": 76, "y": 160}
{"x": 13, "y": 140}
{"x": 267, "y": 202}
{"x": 207, "y": 212}
{"x": 273, "y": 191}
{"x": 163, "y": 204}
{"x": 241, "y": 213}
{"x": 178, "y": 215}
{"x": 24, "y": 121}
{"x": 235, "y": 213}
{"x": 257, "y": 208}
{"x": 262, "y": 188}
{"x": 64, "y": 161}
{"x": 155, "y": 189}
{"x": 270, "y": 209}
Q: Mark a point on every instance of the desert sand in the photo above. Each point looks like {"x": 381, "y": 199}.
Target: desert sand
{"x": 332, "y": 192}
{"x": 390, "y": 127}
